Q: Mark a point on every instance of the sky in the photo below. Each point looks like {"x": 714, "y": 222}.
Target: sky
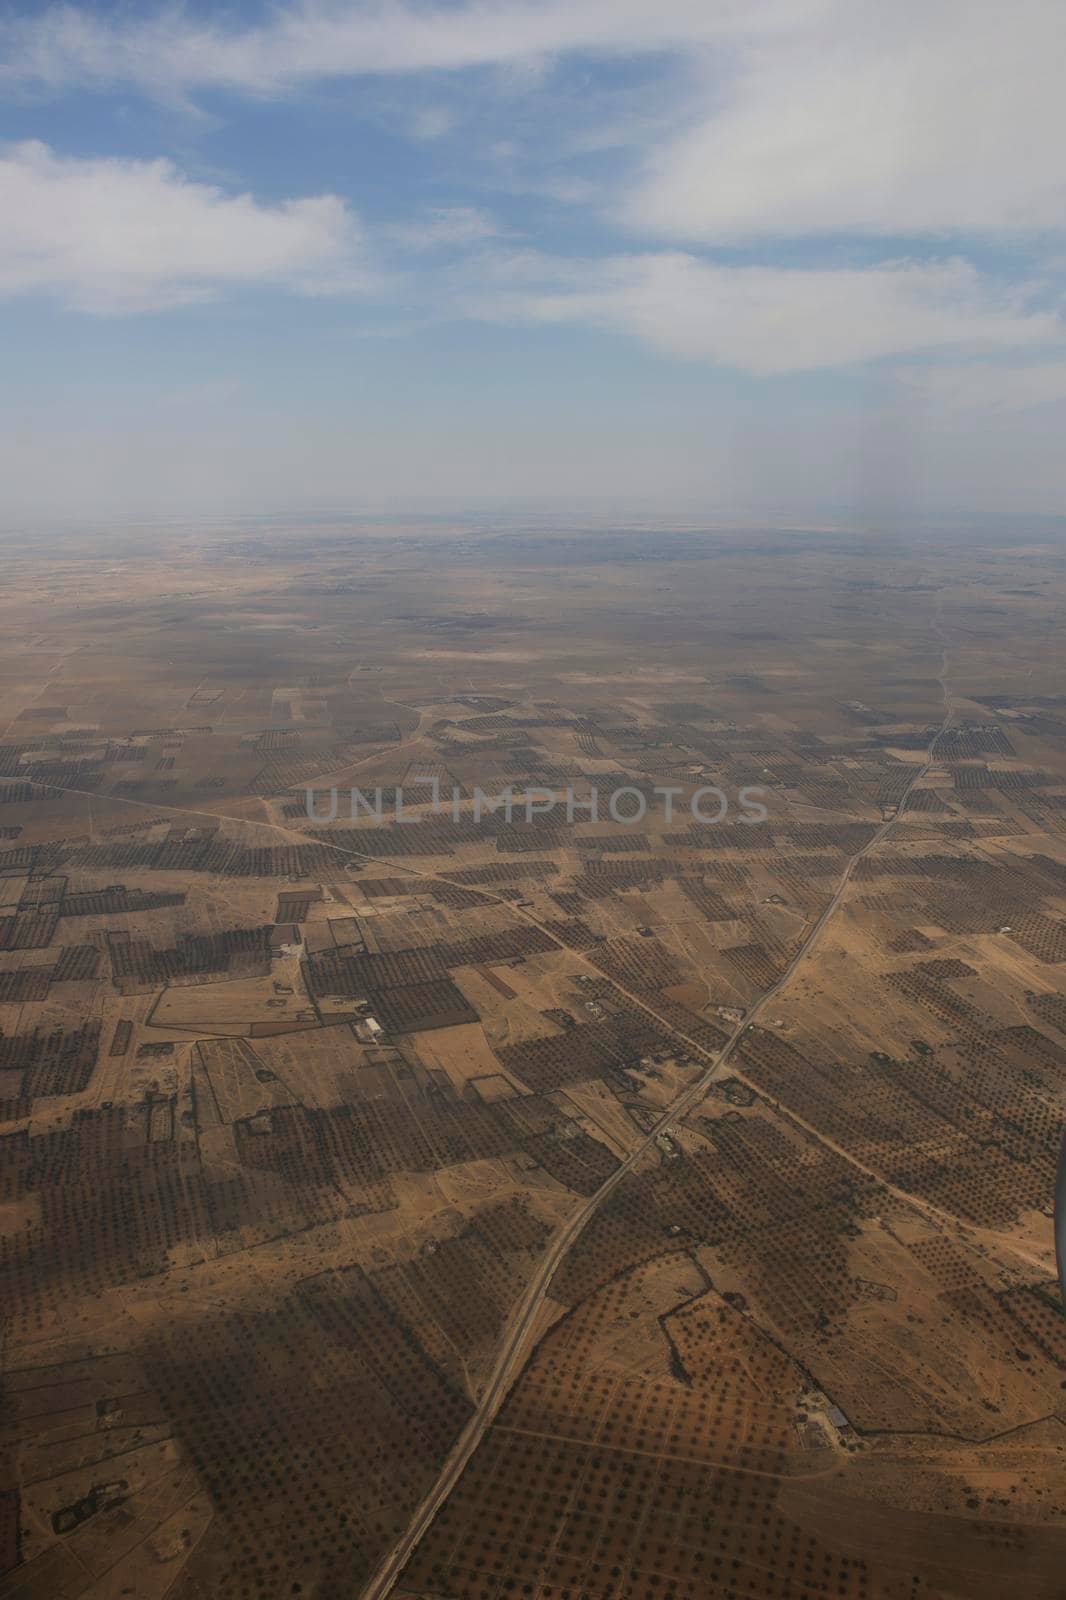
{"x": 742, "y": 256}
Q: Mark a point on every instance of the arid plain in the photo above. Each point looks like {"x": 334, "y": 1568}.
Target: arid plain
{"x": 489, "y": 1205}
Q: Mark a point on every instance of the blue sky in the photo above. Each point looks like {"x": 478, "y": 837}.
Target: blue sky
{"x": 786, "y": 255}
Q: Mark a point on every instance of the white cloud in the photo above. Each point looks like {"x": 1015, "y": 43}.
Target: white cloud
{"x": 906, "y": 119}
{"x": 444, "y": 226}
{"x": 174, "y": 52}
{"x": 991, "y": 388}
{"x": 432, "y": 122}
{"x": 120, "y": 235}
{"x": 765, "y": 320}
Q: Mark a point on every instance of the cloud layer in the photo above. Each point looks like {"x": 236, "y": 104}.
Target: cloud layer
{"x": 801, "y": 116}
{"x": 771, "y": 188}
{"x": 175, "y": 53}
{"x": 767, "y": 320}
{"x": 121, "y": 236}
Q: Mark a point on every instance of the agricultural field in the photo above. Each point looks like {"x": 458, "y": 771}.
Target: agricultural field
{"x": 612, "y": 1154}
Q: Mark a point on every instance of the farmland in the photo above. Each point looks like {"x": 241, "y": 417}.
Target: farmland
{"x": 531, "y": 1190}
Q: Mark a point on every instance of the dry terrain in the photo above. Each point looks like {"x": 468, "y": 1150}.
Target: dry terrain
{"x": 496, "y": 1201}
